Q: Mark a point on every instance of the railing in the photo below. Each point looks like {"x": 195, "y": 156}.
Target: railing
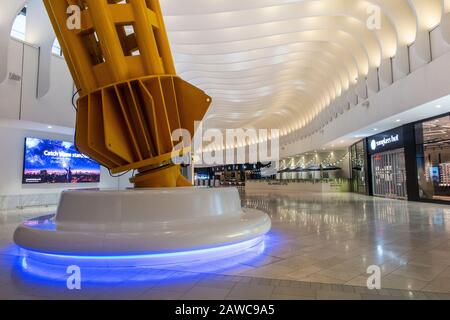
{"x": 318, "y": 185}
{"x": 22, "y": 201}
{"x": 311, "y": 181}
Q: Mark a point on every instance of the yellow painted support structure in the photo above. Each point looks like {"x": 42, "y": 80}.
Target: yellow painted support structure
{"x": 131, "y": 99}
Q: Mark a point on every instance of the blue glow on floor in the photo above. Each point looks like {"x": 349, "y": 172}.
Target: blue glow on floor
{"x": 37, "y": 272}
{"x": 169, "y": 255}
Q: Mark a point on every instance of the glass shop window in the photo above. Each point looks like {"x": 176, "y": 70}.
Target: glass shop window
{"x": 359, "y": 168}
{"x": 433, "y": 158}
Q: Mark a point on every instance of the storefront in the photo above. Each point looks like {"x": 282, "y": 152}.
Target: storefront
{"x": 392, "y": 165}
{"x": 411, "y": 162}
{"x": 229, "y": 175}
{"x": 359, "y": 174}
{"x": 433, "y": 159}
{"x": 389, "y": 174}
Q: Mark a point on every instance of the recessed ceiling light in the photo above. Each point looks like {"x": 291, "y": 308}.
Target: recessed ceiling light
{"x": 398, "y": 120}
{"x": 375, "y": 129}
{"x": 49, "y": 127}
{"x": 438, "y": 106}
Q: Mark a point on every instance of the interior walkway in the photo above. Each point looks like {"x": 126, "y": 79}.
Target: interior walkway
{"x": 319, "y": 248}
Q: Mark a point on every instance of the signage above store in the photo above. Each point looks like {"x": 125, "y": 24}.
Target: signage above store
{"x": 374, "y": 144}
{"x": 386, "y": 141}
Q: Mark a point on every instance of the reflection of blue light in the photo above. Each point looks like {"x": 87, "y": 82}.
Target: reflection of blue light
{"x": 53, "y": 269}
{"x": 438, "y": 218}
{"x": 153, "y": 257}
{"x": 24, "y": 263}
{"x": 51, "y": 280}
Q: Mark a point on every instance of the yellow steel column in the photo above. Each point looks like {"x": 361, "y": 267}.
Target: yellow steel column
{"x": 109, "y": 39}
{"x": 166, "y": 53}
{"x": 73, "y": 49}
{"x": 129, "y": 104}
{"x": 146, "y": 41}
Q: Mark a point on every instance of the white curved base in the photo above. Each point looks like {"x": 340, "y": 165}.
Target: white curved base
{"x": 159, "y": 222}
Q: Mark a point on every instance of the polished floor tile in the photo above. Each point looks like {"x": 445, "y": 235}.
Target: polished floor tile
{"x": 320, "y": 247}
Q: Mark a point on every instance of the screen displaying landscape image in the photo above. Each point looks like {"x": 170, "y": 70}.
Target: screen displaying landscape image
{"x": 52, "y": 161}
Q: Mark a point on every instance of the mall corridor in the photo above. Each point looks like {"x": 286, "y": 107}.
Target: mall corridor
{"x": 319, "y": 248}
{"x": 224, "y": 150}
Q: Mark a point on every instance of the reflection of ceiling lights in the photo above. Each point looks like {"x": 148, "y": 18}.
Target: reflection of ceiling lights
{"x": 434, "y": 133}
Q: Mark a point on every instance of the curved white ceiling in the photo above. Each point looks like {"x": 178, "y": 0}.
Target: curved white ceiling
{"x": 278, "y": 63}
{"x": 275, "y": 63}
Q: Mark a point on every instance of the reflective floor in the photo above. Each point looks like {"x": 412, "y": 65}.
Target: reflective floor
{"x": 319, "y": 248}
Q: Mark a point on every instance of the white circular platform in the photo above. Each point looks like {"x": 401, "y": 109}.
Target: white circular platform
{"x": 100, "y": 223}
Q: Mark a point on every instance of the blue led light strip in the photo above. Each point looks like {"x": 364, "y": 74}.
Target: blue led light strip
{"x": 235, "y": 247}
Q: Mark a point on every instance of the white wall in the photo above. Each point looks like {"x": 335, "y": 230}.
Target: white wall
{"x": 13, "y": 193}
{"x": 10, "y": 90}
{"x": 438, "y": 44}
{"x": 18, "y": 99}
{"x": 264, "y": 186}
{"x": 55, "y": 107}
{"x": 21, "y": 112}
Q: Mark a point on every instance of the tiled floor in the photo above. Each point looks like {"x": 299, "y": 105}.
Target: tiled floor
{"x": 319, "y": 248}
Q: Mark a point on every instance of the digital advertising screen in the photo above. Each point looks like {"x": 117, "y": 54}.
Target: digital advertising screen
{"x": 53, "y": 161}
{"x": 434, "y": 174}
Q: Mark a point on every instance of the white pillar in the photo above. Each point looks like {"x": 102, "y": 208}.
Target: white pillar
{"x": 40, "y": 33}
{"x": 8, "y": 13}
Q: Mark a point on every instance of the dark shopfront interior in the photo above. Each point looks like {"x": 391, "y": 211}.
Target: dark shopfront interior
{"x": 411, "y": 162}
{"x": 433, "y": 159}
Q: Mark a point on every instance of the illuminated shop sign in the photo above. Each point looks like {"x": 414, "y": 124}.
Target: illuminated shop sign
{"x": 386, "y": 141}
{"x": 374, "y": 144}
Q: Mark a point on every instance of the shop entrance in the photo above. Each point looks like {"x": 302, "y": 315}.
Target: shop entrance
{"x": 389, "y": 174}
